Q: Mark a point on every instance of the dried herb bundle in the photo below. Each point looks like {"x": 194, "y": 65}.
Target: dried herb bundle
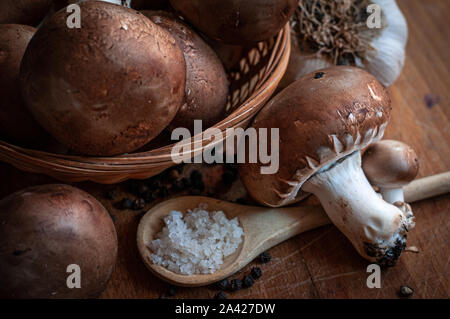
{"x": 335, "y": 28}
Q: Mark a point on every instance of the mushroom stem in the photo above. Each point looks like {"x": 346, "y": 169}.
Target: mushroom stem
{"x": 392, "y": 195}
{"x": 376, "y": 228}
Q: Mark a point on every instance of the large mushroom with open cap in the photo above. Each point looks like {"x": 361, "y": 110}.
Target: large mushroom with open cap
{"x": 390, "y": 165}
{"x": 324, "y": 120}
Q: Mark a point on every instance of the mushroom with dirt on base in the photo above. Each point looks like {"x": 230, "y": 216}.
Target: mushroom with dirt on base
{"x": 325, "y": 119}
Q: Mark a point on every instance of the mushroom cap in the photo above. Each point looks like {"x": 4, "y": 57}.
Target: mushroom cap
{"x": 324, "y": 116}
{"x": 390, "y": 164}
{"x": 237, "y": 21}
{"x": 46, "y": 228}
{"x": 29, "y": 12}
{"x": 206, "y": 89}
{"x": 16, "y": 122}
{"x": 108, "y": 87}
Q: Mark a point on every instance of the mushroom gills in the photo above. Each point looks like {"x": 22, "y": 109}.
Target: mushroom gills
{"x": 376, "y": 228}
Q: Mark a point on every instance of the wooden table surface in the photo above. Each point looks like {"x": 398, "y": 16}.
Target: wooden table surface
{"x": 322, "y": 263}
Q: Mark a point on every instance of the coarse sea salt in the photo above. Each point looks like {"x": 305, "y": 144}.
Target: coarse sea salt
{"x": 197, "y": 242}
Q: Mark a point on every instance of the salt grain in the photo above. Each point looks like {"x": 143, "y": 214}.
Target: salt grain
{"x": 195, "y": 243}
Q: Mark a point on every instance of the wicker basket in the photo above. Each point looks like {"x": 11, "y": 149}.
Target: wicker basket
{"x": 252, "y": 84}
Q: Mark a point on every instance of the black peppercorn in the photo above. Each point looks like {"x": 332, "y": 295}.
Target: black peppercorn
{"x": 231, "y": 167}
{"x": 149, "y": 196}
{"x": 110, "y": 194}
{"x": 256, "y": 272}
{"x": 178, "y": 185}
{"x": 196, "y": 176}
{"x": 179, "y": 168}
{"x": 142, "y": 189}
{"x": 174, "y": 174}
{"x": 20, "y": 252}
{"x": 163, "y": 192}
{"x": 126, "y": 203}
{"x": 236, "y": 284}
{"x": 406, "y": 291}
{"x": 199, "y": 185}
{"x": 154, "y": 184}
{"x": 318, "y": 75}
{"x": 186, "y": 182}
{"x": 228, "y": 177}
{"x": 265, "y": 257}
{"x": 133, "y": 186}
{"x": 220, "y": 295}
{"x": 247, "y": 281}
{"x": 112, "y": 217}
{"x": 223, "y": 284}
{"x": 139, "y": 204}
{"x": 171, "y": 291}
{"x": 141, "y": 214}
{"x": 196, "y": 180}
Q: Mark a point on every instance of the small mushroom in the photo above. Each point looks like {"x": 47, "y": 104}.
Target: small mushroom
{"x": 325, "y": 119}
{"x": 390, "y": 165}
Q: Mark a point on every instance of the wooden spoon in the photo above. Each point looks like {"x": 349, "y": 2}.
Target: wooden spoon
{"x": 263, "y": 227}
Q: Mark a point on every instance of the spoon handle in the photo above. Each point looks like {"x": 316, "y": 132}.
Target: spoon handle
{"x": 270, "y": 226}
{"x": 267, "y": 227}
{"x": 427, "y": 187}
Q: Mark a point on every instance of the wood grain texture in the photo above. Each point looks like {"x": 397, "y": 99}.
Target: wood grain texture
{"x": 322, "y": 263}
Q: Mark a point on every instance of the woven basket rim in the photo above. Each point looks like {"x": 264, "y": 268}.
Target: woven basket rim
{"x": 60, "y": 164}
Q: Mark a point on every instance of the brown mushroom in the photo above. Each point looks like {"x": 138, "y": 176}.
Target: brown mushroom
{"x": 237, "y": 21}
{"x": 29, "y": 12}
{"x": 390, "y": 165}
{"x": 324, "y": 120}
{"x": 45, "y": 229}
{"x": 108, "y": 87}
{"x": 206, "y": 81}
{"x": 16, "y": 122}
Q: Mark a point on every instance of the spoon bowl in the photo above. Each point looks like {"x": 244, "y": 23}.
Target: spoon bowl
{"x": 263, "y": 228}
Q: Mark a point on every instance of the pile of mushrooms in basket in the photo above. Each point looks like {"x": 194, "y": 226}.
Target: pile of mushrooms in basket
{"x": 107, "y": 78}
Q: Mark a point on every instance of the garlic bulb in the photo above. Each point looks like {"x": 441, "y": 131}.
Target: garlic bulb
{"x": 387, "y": 62}
{"x": 330, "y": 32}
